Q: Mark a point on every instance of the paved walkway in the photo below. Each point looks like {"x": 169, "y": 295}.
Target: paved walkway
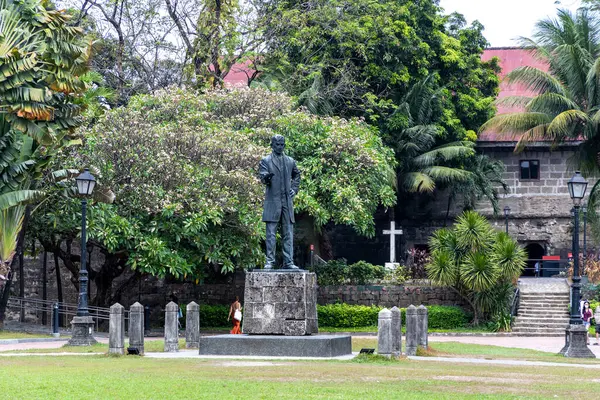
{"x": 549, "y": 344}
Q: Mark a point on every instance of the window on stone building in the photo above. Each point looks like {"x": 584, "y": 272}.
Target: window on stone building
{"x": 530, "y": 169}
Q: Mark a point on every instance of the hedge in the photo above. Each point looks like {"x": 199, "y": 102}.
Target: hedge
{"x": 349, "y": 316}
{"x": 214, "y": 316}
{"x": 354, "y": 316}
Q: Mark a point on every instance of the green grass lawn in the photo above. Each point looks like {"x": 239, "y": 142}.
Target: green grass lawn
{"x": 436, "y": 349}
{"x": 456, "y": 349}
{"x": 20, "y": 335}
{"x": 128, "y": 377}
{"x": 150, "y": 346}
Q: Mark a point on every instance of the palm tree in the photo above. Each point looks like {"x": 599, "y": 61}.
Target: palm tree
{"x": 422, "y": 164}
{"x": 484, "y": 181}
{"x": 478, "y": 262}
{"x": 566, "y": 103}
{"x": 41, "y": 57}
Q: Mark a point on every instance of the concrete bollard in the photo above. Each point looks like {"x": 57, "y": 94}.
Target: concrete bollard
{"x": 411, "y": 331}
{"x": 192, "y": 326}
{"x": 171, "y": 331}
{"x": 396, "y": 331}
{"x": 384, "y": 333}
{"x": 136, "y": 327}
{"x": 422, "y": 326}
{"x": 55, "y": 322}
{"x": 116, "y": 329}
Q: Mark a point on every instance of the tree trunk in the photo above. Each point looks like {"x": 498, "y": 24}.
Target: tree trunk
{"x": 45, "y": 286}
{"x": 21, "y": 284}
{"x": 58, "y": 278}
{"x": 18, "y": 252}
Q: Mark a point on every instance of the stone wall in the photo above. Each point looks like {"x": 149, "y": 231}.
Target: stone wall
{"x": 389, "y": 296}
{"x": 540, "y": 209}
{"x": 155, "y": 292}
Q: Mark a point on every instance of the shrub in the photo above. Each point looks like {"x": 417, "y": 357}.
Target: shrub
{"x": 214, "y": 315}
{"x": 347, "y": 316}
{"x": 362, "y": 273}
{"x": 478, "y": 261}
{"x": 332, "y": 273}
{"x": 397, "y": 275}
{"x": 445, "y": 317}
{"x": 355, "y": 316}
{"x": 337, "y": 272}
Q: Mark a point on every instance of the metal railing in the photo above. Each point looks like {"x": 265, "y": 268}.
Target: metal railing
{"x": 66, "y": 311}
{"x": 514, "y": 306}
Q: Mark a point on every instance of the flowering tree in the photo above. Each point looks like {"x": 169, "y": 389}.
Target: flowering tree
{"x": 188, "y": 202}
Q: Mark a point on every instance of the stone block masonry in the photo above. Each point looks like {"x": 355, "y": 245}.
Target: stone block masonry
{"x": 389, "y": 296}
{"x": 280, "y": 303}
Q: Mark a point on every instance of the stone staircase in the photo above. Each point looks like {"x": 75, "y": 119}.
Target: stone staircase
{"x": 543, "y": 307}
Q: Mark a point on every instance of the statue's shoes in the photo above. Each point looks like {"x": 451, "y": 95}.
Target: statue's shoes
{"x": 268, "y": 266}
{"x": 290, "y": 266}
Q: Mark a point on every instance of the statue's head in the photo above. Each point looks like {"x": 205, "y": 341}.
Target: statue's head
{"x": 278, "y": 144}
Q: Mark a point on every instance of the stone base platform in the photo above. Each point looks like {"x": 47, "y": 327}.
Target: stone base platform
{"x": 276, "y": 346}
{"x": 280, "y": 302}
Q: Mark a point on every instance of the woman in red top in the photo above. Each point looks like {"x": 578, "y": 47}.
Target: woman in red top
{"x": 587, "y": 315}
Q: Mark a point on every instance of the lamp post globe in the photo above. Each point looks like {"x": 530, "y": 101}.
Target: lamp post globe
{"x": 576, "y": 334}
{"x": 577, "y": 187}
{"x": 85, "y": 183}
{"x": 83, "y": 323}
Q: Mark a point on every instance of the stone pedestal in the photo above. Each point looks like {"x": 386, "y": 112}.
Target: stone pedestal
{"x": 422, "y": 326}
{"x": 276, "y": 346}
{"x": 576, "y": 343}
{"x": 116, "y": 329}
{"x": 396, "y": 331}
{"x": 82, "y": 331}
{"x": 192, "y": 326}
{"x": 136, "y": 327}
{"x": 384, "y": 333}
{"x": 280, "y": 302}
{"x": 411, "y": 331}
{"x": 171, "y": 331}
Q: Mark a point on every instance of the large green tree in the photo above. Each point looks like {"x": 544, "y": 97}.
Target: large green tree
{"x": 188, "y": 202}
{"x": 405, "y": 67}
{"x": 357, "y": 58}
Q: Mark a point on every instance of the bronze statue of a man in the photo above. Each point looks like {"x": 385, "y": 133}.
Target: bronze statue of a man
{"x": 282, "y": 178}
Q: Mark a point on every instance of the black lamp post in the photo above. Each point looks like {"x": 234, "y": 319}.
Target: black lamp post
{"x": 506, "y": 213}
{"x": 83, "y": 323}
{"x": 576, "y": 334}
{"x": 584, "y": 209}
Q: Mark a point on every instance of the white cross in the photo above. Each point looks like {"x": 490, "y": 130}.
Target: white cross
{"x": 392, "y": 232}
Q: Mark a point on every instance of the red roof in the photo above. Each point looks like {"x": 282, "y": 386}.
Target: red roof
{"x": 510, "y": 59}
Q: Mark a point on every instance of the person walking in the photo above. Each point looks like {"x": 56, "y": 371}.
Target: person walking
{"x": 235, "y": 313}
{"x": 175, "y": 300}
{"x": 587, "y": 315}
{"x": 597, "y": 319}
